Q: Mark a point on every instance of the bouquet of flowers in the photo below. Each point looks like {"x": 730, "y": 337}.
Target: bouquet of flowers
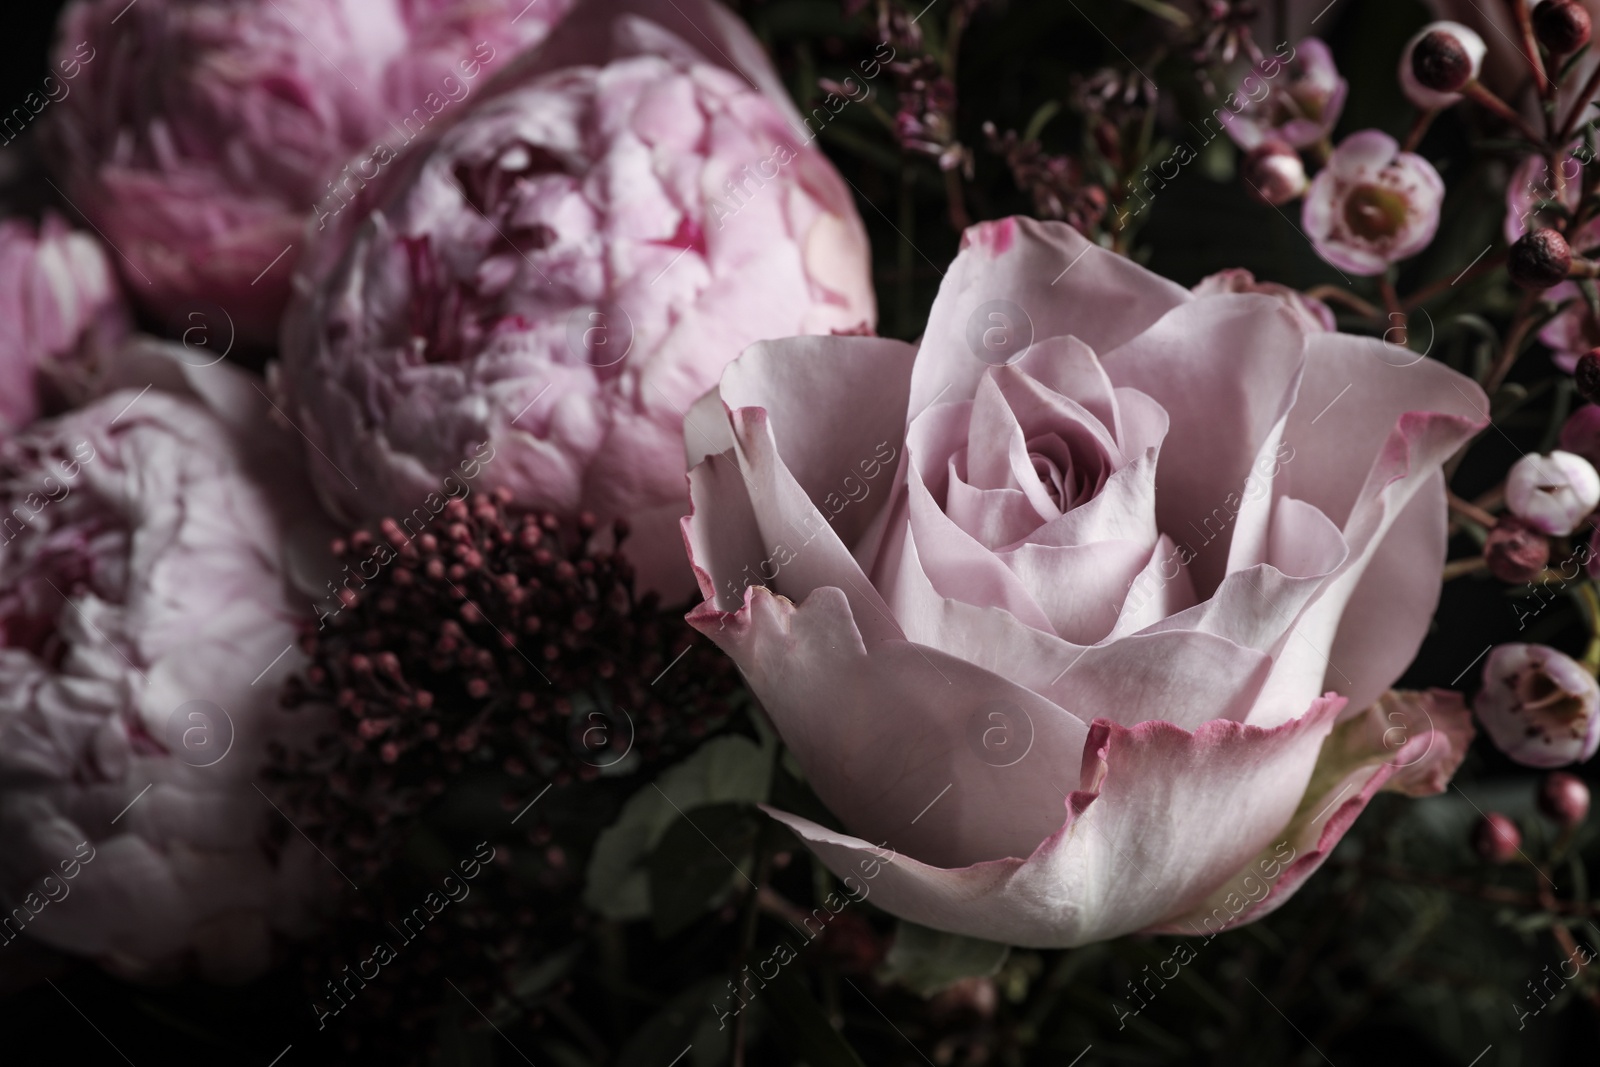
{"x": 652, "y": 533}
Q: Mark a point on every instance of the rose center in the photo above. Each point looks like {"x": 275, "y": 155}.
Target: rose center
{"x": 1054, "y": 482}
{"x": 1374, "y": 213}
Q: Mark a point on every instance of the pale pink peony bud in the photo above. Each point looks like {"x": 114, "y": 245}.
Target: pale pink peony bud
{"x": 1438, "y": 63}
{"x": 553, "y": 284}
{"x": 1538, "y": 705}
{"x": 199, "y": 135}
{"x": 1552, "y": 493}
{"x": 1372, "y": 205}
{"x": 58, "y": 303}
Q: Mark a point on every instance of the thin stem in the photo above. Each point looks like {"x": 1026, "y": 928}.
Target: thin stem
{"x": 1472, "y": 511}
{"x": 1579, "y": 106}
{"x": 1433, "y": 289}
{"x": 1460, "y": 568}
{"x": 1391, "y": 303}
{"x": 1419, "y": 129}
{"x": 1335, "y": 294}
{"x": 1530, "y": 49}
{"x": 1476, "y": 92}
{"x": 1513, "y": 346}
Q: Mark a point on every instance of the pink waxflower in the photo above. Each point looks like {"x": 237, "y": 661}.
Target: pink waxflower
{"x": 1438, "y": 61}
{"x": 60, "y": 306}
{"x": 1313, "y": 314}
{"x": 1552, "y": 493}
{"x": 1372, "y": 205}
{"x": 565, "y": 271}
{"x": 1094, "y": 522}
{"x": 201, "y": 135}
{"x": 1538, "y": 706}
{"x": 142, "y": 589}
{"x": 1532, "y": 184}
{"x": 1295, "y": 98}
{"x": 1573, "y": 330}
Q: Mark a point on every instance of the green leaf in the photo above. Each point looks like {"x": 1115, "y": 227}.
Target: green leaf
{"x": 802, "y": 1023}
{"x": 728, "y": 768}
{"x": 690, "y": 1020}
{"x": 927, "y": 961}
{"x": 696, "y": 859}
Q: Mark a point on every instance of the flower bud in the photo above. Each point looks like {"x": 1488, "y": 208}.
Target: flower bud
{"x": 1496, "y": 838}
{"x": 1515, "y": 551}
{"x": 1564, "y": 799}
{"x": 1439, "y": 62}
{"x": 1586, "y": 375}
{"x": 1539, "y": 260}
{"x": 1538, "y": 706}
{"x": 1552, "y": 493}
{"x": 1562, "y": 26}
{"x": 1274, "y": 173}
{"x": 1581, "y": 433}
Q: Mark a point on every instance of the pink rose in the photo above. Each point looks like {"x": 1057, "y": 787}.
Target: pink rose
{"x": 200, "y": 135}
{"x": 1372, "y": 205}
{"x": 564, "y": 272}
{"x": 143, "y": 593}
{"x": 1313, "y": 314}
{"x": 1296, "y": 99}
{"x": 58, "y": 299}
{"x": 1058, "y": 610}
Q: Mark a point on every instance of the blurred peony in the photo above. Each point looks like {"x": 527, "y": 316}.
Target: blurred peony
{"x": 58, "y": 299}
{"x": 563, "y": 273}
{"x": 202, "y": 132}
{"x": 1538, "y": 705}
{"x": 1313, "y": 314}
{"x": 142, "y": 593}
{"x": 1036, "y": 617}
{"x": 1372, "y": 205}
{"x": 1296, "y": 101}
{"x": 1552, "y": 493}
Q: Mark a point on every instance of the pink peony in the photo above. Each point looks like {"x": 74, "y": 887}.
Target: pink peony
{"x": 1295, "y": 99}
{"x": 201, "y": 134}
{"x": 1539, "y": 706}
{"x": 58, "y": 299}
{"x": 1058, "y": 610}
{"x": 1372, "y": 205}
{"x": 142, "y": 595}
{"x": 1313, "y": 314}
{"x": 563, "y": 274}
